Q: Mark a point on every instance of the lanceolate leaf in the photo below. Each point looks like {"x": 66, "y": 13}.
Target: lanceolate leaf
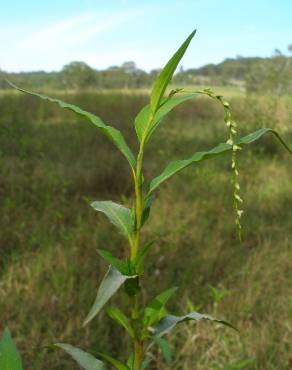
{"x": 145, "y": 128}
{"x": 221, "y": 148}
{"x": 116, "y": 363}
{"x": 119, "y": 215}
{"x": 141, "y": 255}
{"x": 120, "y": 265}
{"x": 165, "y": 348}
{"x": 166, "y": 74}
{"x": 9, "y": 356}
{"x": 168, "y": 322}
{"x": 155, "y": 308}
{"x": 120, "y": 318}
{"x": 110, "y": 284}
{"x": 112, "y": 133}
{"x": 147, "y": 208}
{"x": 84, "y": 359}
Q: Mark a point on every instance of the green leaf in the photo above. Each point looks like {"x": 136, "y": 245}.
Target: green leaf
{"x": 122, "y": 266}
{"x": 9, "y": 356}
{"x": 119, "y": 215}
{"x": 141, "y": 255}
{"x": 221, "y": 148}
{"x": 121, "y": 319}
{"x": 165, "y": 348}
{"x": 168, "y": 322}
{"x": 166, "y": 74}
{"x": 130, "y": 360}
{"x": 116, "y": 363}
{"x": 110, "y": 132}
{"x": 84, "y": 359}
{"x": 142, "y": 120}
{"x": 110, "y": 284}
{"x": 144, "y": 127}
{"x": 147, "y": 208}
{"x": 155, "y": 309}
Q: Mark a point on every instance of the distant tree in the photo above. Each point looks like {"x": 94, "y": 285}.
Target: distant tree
{"x": 78, "y": 75}
{"x": 271, "y": 75}
{"x": 129, "y": 67}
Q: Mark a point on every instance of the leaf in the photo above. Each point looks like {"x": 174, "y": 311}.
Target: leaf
{"x": 166, "y": 74}
{"x": 121, "y": 319}
{"x": 120, "y": 265}
{"x": 119, "y": 215}
{"x": 110, "y": 284}
{"x": 165, "y": 348}
{"x": 9, "y": 356}
{"x": 84, "y": 359}
{"x": 141, "y": 255}
{"x": 168, "y": 322}
{"x": 116, "y": 363}
{"x": 154, "y": 310}
{"x": 144, "y": 127}
{"x": 221, "y": 148}
{"x": 147, "y": 208}
{"x": 130, "y": 360}
{"x": 110, "y": 132}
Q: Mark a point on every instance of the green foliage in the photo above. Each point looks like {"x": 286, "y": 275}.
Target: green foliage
{"x": 155, "y": 309}
{"x": 165, "y": 348}
{"x": 169, "y": 322}
{"x": 110, "y": 284}
{"x": 119, "y": 215}
{"x": 116, "y": 363}
{"x": 9, "y": 356}
{"x": 166, "y": 74}
{"x": 128, "y": 272}
{"x": 176, "y": 166}
{"x": 84, "y": 359}
{"x": 143, "y": 129}
{"x": 121, "y": 319}
{"x": 122, "y": 266}
{"x": 112, "y": 133}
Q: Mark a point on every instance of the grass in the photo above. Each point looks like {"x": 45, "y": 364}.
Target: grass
{"x": 52, "y": 165}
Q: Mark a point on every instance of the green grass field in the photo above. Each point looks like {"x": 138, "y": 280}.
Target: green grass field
{"x": 52, "y": 165}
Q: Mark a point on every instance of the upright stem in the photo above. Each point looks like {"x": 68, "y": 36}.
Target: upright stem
{"x": 134, "y": 303}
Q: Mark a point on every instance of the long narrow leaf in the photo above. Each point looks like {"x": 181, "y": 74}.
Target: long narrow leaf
{"x": 121, "y": 319}
{"x": 141, "y": 255}
{"x": 120, "y": 265}
{"x": 142, "y": 125}
{"x": 116, "y": 363}
{"x": 9, "y": 356}
{"x": 169, "y": 322}
{"x": 165, "y": 348}
{"x": 84, "y": 359}
{"x": 154, "y": 309}
{"x": 176, "y": 166}
{"x": 119, "y": 215}
{"x": 166, "y": 74}
{"x": 112, "y": 133}
{"x": 110, "y": 284}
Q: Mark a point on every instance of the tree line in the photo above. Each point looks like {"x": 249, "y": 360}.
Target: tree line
{"x": 258, "y": 75}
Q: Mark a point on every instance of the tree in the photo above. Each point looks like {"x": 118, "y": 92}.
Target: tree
{"x": 78, "y": 75}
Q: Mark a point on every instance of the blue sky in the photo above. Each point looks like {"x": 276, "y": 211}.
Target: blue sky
{"x": 45, "y": 35}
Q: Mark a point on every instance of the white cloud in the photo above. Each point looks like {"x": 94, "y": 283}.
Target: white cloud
{"x": 53, "y": 45}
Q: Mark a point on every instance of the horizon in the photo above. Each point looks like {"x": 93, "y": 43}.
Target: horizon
{"x": 57, "y": 34}
{"x": 138, "y": 67}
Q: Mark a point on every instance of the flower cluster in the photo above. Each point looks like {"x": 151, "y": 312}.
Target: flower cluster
{"x": 232, "y": 132}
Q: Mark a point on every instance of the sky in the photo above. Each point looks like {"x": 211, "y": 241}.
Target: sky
{"x": 46, "y": 35}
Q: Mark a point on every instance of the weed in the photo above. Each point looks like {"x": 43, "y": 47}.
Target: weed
{"x": 146, "y": 324}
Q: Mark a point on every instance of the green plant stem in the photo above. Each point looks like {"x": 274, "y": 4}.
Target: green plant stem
{"x": 134, "y": 301}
